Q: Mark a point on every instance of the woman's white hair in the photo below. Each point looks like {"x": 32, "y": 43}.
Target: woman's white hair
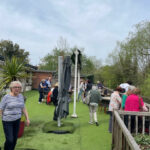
{"x": 94, "y": 87}
{"x": 131, "y": 87}
{"x": 14, "y": 83}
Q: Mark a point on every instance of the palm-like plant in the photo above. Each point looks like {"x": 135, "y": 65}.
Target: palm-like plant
{"x": 13, "y": 69}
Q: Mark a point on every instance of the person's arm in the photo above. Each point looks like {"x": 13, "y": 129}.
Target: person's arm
{"x": 119, "y": 99}
{"x": 42, "y": 86}
{"x": 2, "y": 105}
{"x": 144, "y": 108}
{"x": 24, "y": 110}
{"x": 99, "y": 96}
{"x": 143, "y": 105}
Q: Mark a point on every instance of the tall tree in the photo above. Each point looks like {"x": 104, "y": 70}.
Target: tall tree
{"x": 50, "y": 61}
{"x": 8, "y": 49}
{"x": 131, "y": 57}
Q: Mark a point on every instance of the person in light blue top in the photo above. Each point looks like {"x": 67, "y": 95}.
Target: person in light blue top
{"x": 11, "y": 108}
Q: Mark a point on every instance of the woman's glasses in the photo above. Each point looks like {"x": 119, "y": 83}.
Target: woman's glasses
{"x": 17, "y": 87}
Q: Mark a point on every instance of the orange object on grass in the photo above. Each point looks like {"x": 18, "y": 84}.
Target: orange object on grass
{"x": 49, "y": 97}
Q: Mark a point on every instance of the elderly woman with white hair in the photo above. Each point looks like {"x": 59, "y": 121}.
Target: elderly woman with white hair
{"x": 126, "y": 94}
{"x": 11, "y": 108}
{"x": 95, "y": 97}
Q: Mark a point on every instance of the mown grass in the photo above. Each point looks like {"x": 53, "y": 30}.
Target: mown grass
{"x": 84, "y": 137}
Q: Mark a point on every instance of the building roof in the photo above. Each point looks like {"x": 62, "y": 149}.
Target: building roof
{"x": 31, "y": 66}
{"x": 44, "y": 71}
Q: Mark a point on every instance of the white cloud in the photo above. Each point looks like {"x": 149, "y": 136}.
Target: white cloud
{"x": 95, "y": 25}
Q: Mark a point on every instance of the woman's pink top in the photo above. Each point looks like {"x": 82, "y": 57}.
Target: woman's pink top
{"x": 132, "y": 103}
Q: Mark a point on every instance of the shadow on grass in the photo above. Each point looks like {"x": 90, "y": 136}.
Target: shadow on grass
{"x": 51, "y": 127}
{"x": 25, "y": 149}
{"x": 104, "y": 121}
{"x": 35, "y": 127}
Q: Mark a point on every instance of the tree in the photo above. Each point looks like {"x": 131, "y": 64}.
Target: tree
{"x": 50, "y": 61}
{"x": 8, "y": 50}
{"x": 13, "y": 69}
{"x": 62, "y": 44}
{"x": 130, "y": 59}
{"x": 88, "y": 66}
{"x": 145, "y": 87}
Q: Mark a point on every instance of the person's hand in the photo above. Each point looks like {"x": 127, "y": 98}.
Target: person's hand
{"x": 122, "y": 109}
{"x": 27, "y": 122}
{"x": 145, "y": 108}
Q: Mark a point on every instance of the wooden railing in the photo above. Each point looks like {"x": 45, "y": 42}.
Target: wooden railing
{"x": 106, "y": 91}
{"x": 142, "y": 117}
{"x": 121, "y": 137}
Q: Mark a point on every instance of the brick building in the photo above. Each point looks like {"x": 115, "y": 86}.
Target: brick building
{"x": 38, "y": 75}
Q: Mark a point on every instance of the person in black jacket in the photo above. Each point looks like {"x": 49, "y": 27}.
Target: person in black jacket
{"x": 55, "y": 95}
{"x": 88, "y": 87}
{"x": 55, "y": 100}
{"x": 42, "y": 86}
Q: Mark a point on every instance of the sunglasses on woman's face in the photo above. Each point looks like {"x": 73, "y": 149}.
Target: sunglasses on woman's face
{"x": 17, "y": 87}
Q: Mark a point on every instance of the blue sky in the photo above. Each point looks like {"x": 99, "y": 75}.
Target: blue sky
{"x": 95, "y": 25}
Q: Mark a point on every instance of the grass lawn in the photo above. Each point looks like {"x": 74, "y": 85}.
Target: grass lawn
{"x": 85, "y": 136}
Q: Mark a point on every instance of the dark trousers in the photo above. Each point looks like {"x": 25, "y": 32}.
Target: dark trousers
{"x": 11, "y": 129}
{"x": 110, "y": 122}
{"x": 41, "y": 96}
{"x": 55, "y": 115}
{"x": 126, "y": 120}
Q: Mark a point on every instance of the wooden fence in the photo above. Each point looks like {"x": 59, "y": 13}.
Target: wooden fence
{"x": 122, "y": 138}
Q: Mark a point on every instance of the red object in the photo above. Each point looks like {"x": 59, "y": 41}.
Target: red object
{"x": 21, "y": 129}
{"x": 147, "y": 130}
{"x": 132, "y": 103}
{"x": 49, "y": 97}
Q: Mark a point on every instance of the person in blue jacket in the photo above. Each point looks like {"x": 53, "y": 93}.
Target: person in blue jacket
{"x": 42, "y": 87}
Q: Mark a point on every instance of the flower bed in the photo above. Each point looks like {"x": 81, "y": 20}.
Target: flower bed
{"x": 143, "y": 141}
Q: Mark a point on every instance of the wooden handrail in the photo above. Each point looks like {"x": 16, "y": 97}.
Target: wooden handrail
{"x": 133, "y": 113}
{"x": 123, "y": 132}
{"x": 143, "y": 116}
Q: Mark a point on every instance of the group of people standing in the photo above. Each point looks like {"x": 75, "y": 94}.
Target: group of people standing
{"x": 44, "y": 87}
{"x": 84, "y": 88}
{"x": 129, "y": 101}
{"x": 48, "y": 92}
{"x": 12, "y": 105}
